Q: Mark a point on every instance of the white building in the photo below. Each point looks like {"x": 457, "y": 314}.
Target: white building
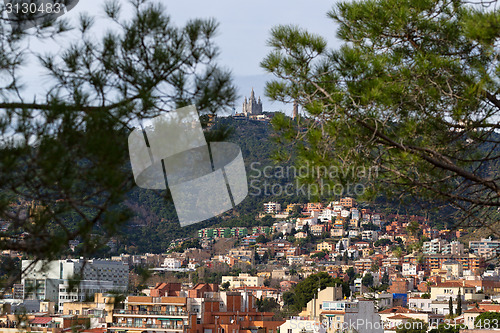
{"x": 345, "y": 213}
{"x": 342, "y": 244}
{"x": 369, "y": 235}
{"x": 328, "y": 215}
{"x": 172, "y": 263}
{"x": 434, "y": 246}
{"x": 353, "y": 233}
{"x": 302, "y": 221}
{"x": 359, "y": 315}
{"x": 409, "y": 269}
{"x": 52, "y": 280}
{"x": 272, "y": 207}
{"x": 284, "y": 227}
{"x": 355, "y": 214}
{"x": 418, "y": 303}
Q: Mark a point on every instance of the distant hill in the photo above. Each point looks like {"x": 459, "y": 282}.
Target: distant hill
{"x": 156, "y": 223}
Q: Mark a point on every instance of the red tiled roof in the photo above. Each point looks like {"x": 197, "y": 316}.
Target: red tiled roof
{"x": 475, "y": 310}
{"x": 397, "y": 309}
{"x": 399, "y": 316}
{"x": 450, "y": 284}
{"x": 490, "y": 307}
{"x": 41, "y": 320}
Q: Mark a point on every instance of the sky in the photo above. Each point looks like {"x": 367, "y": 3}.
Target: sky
{"x": 243, "y": 32}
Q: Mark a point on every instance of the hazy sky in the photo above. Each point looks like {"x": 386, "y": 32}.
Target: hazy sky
{"x": 243, "y": 32}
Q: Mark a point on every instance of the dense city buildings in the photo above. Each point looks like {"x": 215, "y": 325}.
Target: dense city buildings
{"x": 386, "y": 270}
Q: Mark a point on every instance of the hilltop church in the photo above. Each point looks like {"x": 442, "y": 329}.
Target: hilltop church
{"x": 252, "y": 107}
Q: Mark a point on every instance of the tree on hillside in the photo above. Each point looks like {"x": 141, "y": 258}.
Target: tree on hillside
{"x": 487, "y": 320}
{"x": 450, "y": 306}
{"x": 413, "y": 326}
{"x": 412, "y": 95}
{"x": 367, "y": 280}
{"x": 305, "y": 290}
{"x": 351, "y": 273}
{"x": 413, "y": 228}
{"x": 64, "y": 156}
{"x": 448, "y": 328}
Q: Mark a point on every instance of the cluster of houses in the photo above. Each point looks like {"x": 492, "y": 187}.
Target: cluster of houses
{"x": 399, "y": 269}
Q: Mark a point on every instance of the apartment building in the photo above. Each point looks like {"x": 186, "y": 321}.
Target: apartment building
{"x": 318, "y": 229}
{"x": 470, "y": 262}
{"x": 434, "y": 246}
{"x": 242, "y": 280}
{"x": 325, "y": 246}
{"x": 347, "y": 202}
{"x": 369, "y": 235}
{"x": 337, "y": 232}
{"x": 486, "y": 247}
{"x": 340, "y": 315}
{"x": 146, "y": 313}
{"x": 316, "y": 305}
{"x": 50, "y": 280}
{"x": 272, "y": 207}
{"x": 444, "y": 290}
{"x": 202, "y": 309}
{"x": 453, "y": 248}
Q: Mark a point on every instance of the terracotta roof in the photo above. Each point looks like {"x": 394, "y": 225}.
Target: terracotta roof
{"x": 41, "y": 320}
{"x": 397, "y": 309}
{"x": 449, "y": 284}
{"x": 475, "y": 310}
{"x": 490, "y": 307}
{"x": 398, "y": 316}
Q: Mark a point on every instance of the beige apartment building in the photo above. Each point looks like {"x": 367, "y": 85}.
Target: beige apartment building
{"x": 243, "y": 280}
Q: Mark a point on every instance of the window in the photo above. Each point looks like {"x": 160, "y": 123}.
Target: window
{"x": 289, "y": 330}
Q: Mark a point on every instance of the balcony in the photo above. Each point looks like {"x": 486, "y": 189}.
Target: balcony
{"x": 151, "y": 313}
{"x": 179, "y": 327}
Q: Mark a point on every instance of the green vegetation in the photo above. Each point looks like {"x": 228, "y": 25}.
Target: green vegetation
{"x": 367, "y": 280}
{"x": 64, "y": 158}
{"x": 413, "y": 326}
{"x": 448, "y": 328}
{"x": 487, "y": 320}
{"x": 305, "y": 290}
{"x": 412, "y": 92}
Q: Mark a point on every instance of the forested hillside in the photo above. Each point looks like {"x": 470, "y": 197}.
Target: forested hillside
{"x": 156, "y": 223}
